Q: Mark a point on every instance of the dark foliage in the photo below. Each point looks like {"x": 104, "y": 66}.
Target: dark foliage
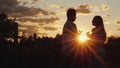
{"x": 8, "y": 29}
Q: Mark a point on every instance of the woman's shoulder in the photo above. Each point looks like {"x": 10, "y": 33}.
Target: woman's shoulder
{"x": 94, "y": 30}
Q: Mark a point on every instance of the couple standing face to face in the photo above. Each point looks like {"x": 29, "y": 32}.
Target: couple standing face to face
{"x": 70, "y": 29}
{"x": 71, "y": 16}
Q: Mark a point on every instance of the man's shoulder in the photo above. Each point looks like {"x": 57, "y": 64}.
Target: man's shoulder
{"x": 69, "y": 24}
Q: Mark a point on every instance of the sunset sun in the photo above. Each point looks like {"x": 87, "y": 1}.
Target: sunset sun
{"x": 83, "y": 38}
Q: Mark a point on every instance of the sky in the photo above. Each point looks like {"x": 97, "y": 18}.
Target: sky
{"x": 47, "y": 17}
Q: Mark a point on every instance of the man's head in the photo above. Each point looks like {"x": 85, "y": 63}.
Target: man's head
{"x": 71, "y": 14}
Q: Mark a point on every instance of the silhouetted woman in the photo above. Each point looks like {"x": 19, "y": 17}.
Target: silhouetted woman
{"x": 98, "y": 38}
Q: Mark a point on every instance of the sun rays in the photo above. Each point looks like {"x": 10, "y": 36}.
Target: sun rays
{"x": 83, "y": 37}
{"x": 82, "y": 50}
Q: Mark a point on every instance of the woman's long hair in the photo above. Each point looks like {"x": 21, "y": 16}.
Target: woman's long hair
{"x": 98, "y": 22}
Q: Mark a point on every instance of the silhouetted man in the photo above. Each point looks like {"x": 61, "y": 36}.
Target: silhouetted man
{"x": 69, "y": 29}
{"x": 69, "y": 37}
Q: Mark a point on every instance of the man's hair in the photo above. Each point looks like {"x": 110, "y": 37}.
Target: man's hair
{"x": 70, "y": 11}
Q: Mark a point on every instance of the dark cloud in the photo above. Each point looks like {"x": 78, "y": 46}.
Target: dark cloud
{"x": 22, "y": 11}
{"x": 8, "y": 6}
{"x": 8, "y": 3}
{"x": 84, "y": 9}
{"x": 13, "y": 8}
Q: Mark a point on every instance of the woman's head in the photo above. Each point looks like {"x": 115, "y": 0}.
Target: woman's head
{"x": 97, "y": 21}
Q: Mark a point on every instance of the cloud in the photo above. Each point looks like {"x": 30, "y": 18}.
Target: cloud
{"x": 27, "y": 30}
{"x": 35, "y": 1}
{"x": 40, "y": 20}
{"x": 84, "y": 9}
{"x": 118, "y": 22}
{"x": 13, "y": 8}
{"x": 118, "y": 29}
{"x": 30, "y": 19}
{"x": 8, "y": 3}
{"x": 50, "y": 28}
{"x": 107, "y": 15}
{"x": 26, "y": 2}
{"x": 56, "y": 6}
{"x": 105, "y": 7}
{"x": 22, "y": 11}
{"x": 31, "y": 25}
{"x": 28, "y": 16}
{"x": 28, "y": 27}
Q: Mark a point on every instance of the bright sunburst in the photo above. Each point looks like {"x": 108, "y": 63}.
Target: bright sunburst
{"x": 83, "y": 37}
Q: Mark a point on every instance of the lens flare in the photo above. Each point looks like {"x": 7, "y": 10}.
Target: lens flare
{"x": 83, "y": 37}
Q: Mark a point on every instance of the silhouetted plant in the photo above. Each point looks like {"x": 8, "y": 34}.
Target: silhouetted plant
{"x": 8, "y": 29}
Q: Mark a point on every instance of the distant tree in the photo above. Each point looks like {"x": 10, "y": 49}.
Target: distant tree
{"x": 58, "y": 36}
{"x": 8, "y": 28}
{"x": 35, "y": 36}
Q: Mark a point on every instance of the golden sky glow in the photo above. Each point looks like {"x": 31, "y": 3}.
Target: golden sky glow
{"x": 47, "y": 17}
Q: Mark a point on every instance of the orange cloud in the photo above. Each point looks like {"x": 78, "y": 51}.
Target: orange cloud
{"x": 118, "y": 29}
{"x": 108, "y": 15}
{"x": 84, "y": 9}
{"x": 40, "y": 20}
{"x": 32, "y": 25}
{"x": 117, "y": 22}
{"x": 28, "y": 27}
{"x": 50, "y": 28}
